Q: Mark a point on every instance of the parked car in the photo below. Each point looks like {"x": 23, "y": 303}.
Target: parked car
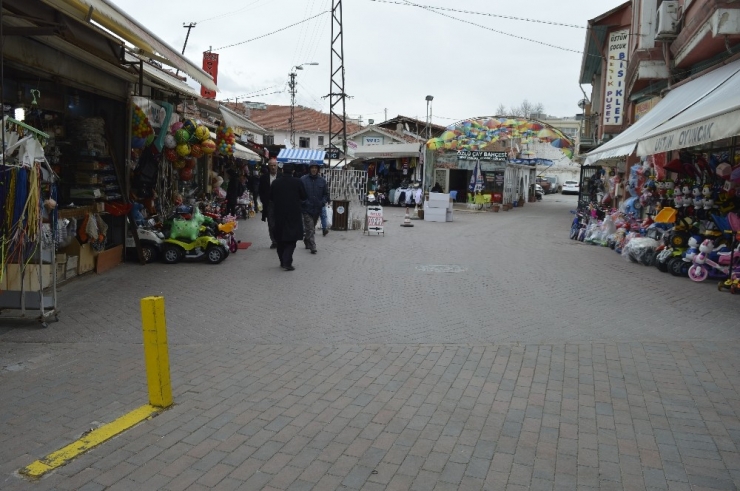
{"x": 570, "y": 187}
{"x": 545, "y": 184}
{"x": 554, "y": 185}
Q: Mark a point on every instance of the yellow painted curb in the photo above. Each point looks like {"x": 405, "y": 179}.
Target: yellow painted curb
{"x": 90, "y": 440}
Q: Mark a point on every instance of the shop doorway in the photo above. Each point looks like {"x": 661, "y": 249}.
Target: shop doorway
{"x": 459, "y": 179}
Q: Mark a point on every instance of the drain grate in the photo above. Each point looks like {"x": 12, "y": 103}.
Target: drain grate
{"x": 441, "y": 268}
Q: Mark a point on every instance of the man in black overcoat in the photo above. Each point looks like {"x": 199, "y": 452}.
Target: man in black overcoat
{"x": 266, "y": 181}
{"x": 287, "y": 194}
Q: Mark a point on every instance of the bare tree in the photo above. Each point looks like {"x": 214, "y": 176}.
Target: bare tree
{"x": 527, "y": 109}
{"x": 501, "y": 110}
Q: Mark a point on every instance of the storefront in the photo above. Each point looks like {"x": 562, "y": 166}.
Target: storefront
{"x": 394, "y": 170}
{"x": 494, "y": 157}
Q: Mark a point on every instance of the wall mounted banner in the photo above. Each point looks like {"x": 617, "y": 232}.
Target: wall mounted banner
{"x": 210, "y": 66}
{"x": 481, "y": 155}
{"x": 616, "y": 71}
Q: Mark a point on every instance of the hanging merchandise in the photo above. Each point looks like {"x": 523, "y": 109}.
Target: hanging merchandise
{"x": 202, "y": 133}
{"x": 208, "y": 146}
{"x": 196, "y": 150}
{"x": 226, "y": 140}
{"x": 183, "y": 149}
{"x": 141, "y": 128}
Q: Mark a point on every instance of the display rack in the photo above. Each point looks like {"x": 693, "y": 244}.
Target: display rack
{"x": 28, "y": 281}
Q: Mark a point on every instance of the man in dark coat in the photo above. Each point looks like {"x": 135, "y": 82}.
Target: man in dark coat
{"x": 318, "y": 195}
{"x": 234, "y": 190}
{"x": 287, "y": 193}
{"x": 266, "y": 180}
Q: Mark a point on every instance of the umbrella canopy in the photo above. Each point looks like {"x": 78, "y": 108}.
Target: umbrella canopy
{"x": 547, "y": 134}
{"x": 561, "y": 143}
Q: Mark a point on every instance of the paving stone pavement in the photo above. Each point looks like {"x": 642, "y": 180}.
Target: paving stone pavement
{"x": 533, "y": 362}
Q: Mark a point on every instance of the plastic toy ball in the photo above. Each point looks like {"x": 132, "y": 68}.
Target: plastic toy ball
{"x": 182, "y": 136}
{"x": 183, "y": 150}
{"x": 196, "y": 150}
{"x": 176, "y": 127}
{"x": 170, "y": 154}
{"x": 169, "y": 141}
{"x": 208, "y": 146}
{"x": 202, "y": 133}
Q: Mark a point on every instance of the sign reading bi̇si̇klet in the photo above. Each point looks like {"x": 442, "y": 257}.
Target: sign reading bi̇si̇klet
{"x": 616, "y": 71}
{"x": 481, "y": 155}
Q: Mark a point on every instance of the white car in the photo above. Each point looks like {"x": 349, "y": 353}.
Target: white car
{"x": 570, "y": 187}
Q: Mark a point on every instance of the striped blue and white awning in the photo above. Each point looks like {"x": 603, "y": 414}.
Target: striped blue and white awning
{"x": 301, "y": 156}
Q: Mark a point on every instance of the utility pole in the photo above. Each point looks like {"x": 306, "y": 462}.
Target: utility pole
{"x": 337, "y": 96}
{"x": 291, "y": 86}
{"x": 187, "y": 36}
{"x": 386, "y": 114}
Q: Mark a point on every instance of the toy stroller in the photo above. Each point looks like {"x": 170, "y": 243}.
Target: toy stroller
{"x": 732, "y": 282}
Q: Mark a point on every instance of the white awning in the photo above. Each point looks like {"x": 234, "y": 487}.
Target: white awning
{"x": 236, "y": 120}
{"x": 121, "y": 24}
{"x": 713, "y": 118}
{"x": 242, "y": 152}
{"x": 167, "y": 81}
{"x": 390, "y": 150}
{"x": 674, "y": 103}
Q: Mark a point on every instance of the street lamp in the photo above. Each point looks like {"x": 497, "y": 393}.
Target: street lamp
{"x": 429, "y": 99}
{"x": 292, "y": 86}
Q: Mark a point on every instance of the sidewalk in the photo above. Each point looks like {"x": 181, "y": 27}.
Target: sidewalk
{"x": 534, "y": 363}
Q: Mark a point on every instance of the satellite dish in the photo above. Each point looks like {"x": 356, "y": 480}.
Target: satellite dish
{"x": 582, "y": 103}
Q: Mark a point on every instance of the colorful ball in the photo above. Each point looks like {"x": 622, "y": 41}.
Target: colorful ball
{"x": 179, "y": 164}
{"x": 186, "y": 174}
{"x": 182, "y": 136}
{"x": 208, "y": 146}
{"x": 190, "y": 163}
{"x": 202, "y": 133}
{"x": 169, "y": 141}
{"x": 190, "y": 125}
{"x": 170, "y": 154}
{"x": 196, "y": 150}
{"x": 176, "y": 127}
{"x": 183, "y": 150}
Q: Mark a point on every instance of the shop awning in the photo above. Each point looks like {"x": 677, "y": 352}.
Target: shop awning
{"x": 168, "y": 81}
{"x": 673, "y": 104}
{"x": 242, "y": 152}
{"x": 390, "y": 150}
{"x": 126, "y": 27}
{"x": 301, "y": 156}
{"x": 236, "y": 120}
{"x": 715, "y": 117}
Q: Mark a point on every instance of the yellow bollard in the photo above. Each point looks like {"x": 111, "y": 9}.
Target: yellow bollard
{"x": 156, "y": 353}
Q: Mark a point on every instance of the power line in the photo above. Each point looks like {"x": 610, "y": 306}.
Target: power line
{"x": 432, "y": 10}
{"x": 230, "y": 13}
{"x": 510, "y": 17}
{"x": 273, "y": 32}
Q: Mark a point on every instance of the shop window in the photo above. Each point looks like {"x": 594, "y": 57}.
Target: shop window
{"x": 268, "y": 139}
{"x": 321, "y": 140}
{"x": 304, "y": 142}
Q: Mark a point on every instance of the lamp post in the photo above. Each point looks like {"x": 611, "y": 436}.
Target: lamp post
{"x": 427, "y": 164}
{"x": 292, "y": 86}
{"x": 429, "y": 99}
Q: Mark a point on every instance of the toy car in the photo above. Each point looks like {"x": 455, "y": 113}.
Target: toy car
{"x": 207, "y": 248}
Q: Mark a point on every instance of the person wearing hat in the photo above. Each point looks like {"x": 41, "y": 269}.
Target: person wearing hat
{"x": 317, "y": 192}
{"x": 287, "y": 193}
{"x": 266, "y": 181}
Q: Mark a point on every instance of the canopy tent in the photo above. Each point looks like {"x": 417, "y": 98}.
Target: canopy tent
{"x": 390, "y": 150}
{"x": 115, "y": 20}
{"x": 673, "y": 104}
{"x": 715, "y": 117}
{"x": 485, "y": 133}
{"x": 301, "y": 156}
{"x": 242, "y": 152}
{"x": 168, "y": 81}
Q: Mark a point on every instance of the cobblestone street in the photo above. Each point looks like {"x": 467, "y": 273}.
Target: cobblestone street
{"x": 487, "y": 353}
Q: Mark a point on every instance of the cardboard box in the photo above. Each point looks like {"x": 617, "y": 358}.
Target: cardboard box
{"x": 72, "y": 263}
{"x": 71, "y": 273}
{"x": 109, "y": 259}
{"x": 85, "y": 254}
{"x": 61, "y": 271}
{"x": 438, "y": 200}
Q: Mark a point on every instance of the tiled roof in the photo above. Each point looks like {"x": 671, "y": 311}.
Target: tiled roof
{"x": 379, "y": 129}
{"x": 277, "y": 118}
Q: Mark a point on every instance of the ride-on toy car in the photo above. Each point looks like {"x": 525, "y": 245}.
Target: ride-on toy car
{"x": 210, "y": 249}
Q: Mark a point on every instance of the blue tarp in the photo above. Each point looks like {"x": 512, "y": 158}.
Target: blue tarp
{"x": 301, "y": 156}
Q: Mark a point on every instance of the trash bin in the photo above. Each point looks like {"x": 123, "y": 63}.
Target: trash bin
{"x": 340, "y": 215}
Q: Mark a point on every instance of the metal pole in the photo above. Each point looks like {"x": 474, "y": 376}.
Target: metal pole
{"x": 292, "y": 87}
{"x": 187, "y": 36}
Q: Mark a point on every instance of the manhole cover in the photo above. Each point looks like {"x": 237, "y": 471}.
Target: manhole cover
{"x": 441, "y": 268}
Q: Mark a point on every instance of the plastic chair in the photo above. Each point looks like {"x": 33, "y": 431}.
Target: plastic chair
{"x": 453, "y": 195}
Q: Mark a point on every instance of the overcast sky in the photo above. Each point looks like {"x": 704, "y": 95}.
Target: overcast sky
{"x": 395, "y": 54}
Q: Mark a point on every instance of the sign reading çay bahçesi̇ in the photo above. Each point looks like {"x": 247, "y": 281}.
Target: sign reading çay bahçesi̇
{"x": 481, "y": 155}
{"x": 616, "y": 71}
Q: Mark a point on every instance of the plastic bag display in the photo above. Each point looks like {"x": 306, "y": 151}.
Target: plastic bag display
{"x": 640, "y": 250}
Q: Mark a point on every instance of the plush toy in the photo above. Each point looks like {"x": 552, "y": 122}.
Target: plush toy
{"x": 184, "y": 230}
{"x": 705, "y": 249}
{"x": 137, "y": 210}
{"x": 693, "y": 249}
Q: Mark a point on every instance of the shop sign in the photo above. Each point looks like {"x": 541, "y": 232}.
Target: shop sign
{"x": 374, "y": 219}
{"x": 372, "y": 140}
{"x": 331, "y": 153}
{"x": 642, "y": 108}
{"x": 481, "y": 155}
{"x": 616, "y": 72}
{"x": 210, "y": 66}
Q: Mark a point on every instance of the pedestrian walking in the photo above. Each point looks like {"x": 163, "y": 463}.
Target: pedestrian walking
{"x": 287, "y": 193}
{"x": 317, "y": 193}
{"x": 268, "y": 215}
{"x": 234, "y": 190}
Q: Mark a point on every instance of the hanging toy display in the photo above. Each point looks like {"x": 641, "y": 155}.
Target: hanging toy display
{"x": 170, "y": 154}
{"x": 179, "y": 164}
{"x": 141, "y": 129}
{"x": 182, "y": 136}
{"x": 196, "y": 150}
{"x": 226, "y": 140}
{"x": 170, "y": 141}
{"x": 186, "y": 174}
{"x": 202, "y": 133}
